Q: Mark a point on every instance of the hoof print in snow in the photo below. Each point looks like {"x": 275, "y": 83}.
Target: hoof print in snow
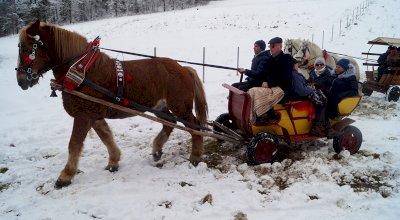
{"x": 4, "y": 186}
{"x": 166, "y": 204}
{"x": 208, "y": 198}
{"x": 240, "y": 216}
{"x": 183, "y": 184}
{"x": 3, "y": 170}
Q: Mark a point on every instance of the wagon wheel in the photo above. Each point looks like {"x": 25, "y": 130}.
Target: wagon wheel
{"x": 350, "y": 140}
{"x": 262, "y": 148}
{"x": 393, "y": 94}
{"x": 225, "y": 121}
{"x": 365, "y": 90}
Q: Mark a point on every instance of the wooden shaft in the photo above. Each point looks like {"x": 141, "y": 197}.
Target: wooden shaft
{"x": 153, "y": 118}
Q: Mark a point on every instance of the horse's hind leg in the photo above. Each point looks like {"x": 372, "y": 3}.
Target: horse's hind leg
{"x": 197, "y": 149}
{"x": 159, "y": 141}
{"x": 114, "y": 154}
{"x": 197, "y": 141}
{"x": 79, "y": 131}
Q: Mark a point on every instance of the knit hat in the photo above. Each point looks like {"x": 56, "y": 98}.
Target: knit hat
{"x": 344, "y": 63}
{"x": 261, "y": 44}
{"x": 275, "y": 40}
{"x": 319, "y": 60}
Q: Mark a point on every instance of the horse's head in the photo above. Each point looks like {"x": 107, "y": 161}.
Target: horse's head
{"x": 291, "y": 46}
{"x": 303, "y": 54}
{"x": 33, "y": 59}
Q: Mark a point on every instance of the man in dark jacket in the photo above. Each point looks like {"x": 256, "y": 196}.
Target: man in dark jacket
{"x": 382, "y": 63}
{"x": 256, "y": 75}
{"x": 279, "y": 68}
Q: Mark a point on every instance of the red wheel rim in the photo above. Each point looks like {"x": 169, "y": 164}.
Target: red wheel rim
{"x": 264, "y": 150}
{"x": 349, "y": 142}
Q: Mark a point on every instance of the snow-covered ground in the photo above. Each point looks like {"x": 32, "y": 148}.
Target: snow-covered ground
{"x": 311, "y": 183}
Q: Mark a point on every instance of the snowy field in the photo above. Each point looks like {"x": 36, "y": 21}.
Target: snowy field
{"x": 310, "y": 182}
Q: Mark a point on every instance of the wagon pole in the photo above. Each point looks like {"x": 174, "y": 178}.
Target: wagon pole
{"x": 180, "y": 61}
{"x": 135, "y": 112}
{"x": 358, "y": 58}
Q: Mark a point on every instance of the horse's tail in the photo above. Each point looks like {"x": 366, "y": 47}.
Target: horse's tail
{"x": 200, "y": 102}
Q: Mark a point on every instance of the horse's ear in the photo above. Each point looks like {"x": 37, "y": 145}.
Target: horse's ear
{"x": 34, "y": 28}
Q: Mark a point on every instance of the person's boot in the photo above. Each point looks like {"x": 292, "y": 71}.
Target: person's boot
{"x": 318, "y": 130}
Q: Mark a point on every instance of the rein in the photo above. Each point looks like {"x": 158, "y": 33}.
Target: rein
{"x": 358, "y": 58}
{"x": 180, "y": 61}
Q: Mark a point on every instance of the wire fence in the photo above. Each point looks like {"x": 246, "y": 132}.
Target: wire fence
{"x": 337, "y": 31}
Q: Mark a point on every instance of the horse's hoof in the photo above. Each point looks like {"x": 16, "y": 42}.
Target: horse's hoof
{"x": 195, "y": 163}
{"x": 112, "y": 168}
{"x": 195, "y": 160}
{"x": 60, "y": 184}
{"x": 157, "y": 155}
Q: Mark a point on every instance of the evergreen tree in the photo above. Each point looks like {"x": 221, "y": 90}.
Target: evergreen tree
{"x": 15, "y": 14}
{"x": 66, "y": 11}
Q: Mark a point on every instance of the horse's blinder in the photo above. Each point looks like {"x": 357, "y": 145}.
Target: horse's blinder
{"x": 30, "y": 58}
{"x": 291, "y": 47}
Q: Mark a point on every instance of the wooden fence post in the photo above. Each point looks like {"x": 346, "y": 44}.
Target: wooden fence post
{"x": 237, "y": 61}
{"x": 204, "y": 62}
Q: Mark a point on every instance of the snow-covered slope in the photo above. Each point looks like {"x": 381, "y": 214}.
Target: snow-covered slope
{"x": 311, "y": 183}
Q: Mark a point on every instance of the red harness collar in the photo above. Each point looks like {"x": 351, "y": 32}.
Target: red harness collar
{"x": 76, "y": 73}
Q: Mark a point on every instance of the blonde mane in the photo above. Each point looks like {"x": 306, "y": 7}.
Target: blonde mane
{"x": 67, "y": 43}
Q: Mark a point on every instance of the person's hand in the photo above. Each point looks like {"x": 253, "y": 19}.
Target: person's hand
{"x": 241, "y": 70}
{"x": 264, "y": 85}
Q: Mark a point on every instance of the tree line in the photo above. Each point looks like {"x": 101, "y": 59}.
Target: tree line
{"x": 15, "y": 14}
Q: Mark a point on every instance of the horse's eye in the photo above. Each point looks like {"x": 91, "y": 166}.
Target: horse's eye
{"x": 23, "y": 48}
{"x": 290, "y": 49}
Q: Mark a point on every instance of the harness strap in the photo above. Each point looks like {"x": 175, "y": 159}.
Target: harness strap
{"x": 325, "y": 55}
{"x": 120, "y": 81}
{"x": 142, "y": 108}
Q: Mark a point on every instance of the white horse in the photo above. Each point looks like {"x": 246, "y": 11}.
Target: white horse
{"x": 309, "y": 51}
{"x": 292, "y": 47}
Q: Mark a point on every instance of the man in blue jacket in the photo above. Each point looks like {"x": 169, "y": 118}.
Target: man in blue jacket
{"x": 256, "y": 75}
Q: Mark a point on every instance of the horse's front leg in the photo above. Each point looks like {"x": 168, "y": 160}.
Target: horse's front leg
{"x": 79, "y": 131}
{"x": 104, "y": 131}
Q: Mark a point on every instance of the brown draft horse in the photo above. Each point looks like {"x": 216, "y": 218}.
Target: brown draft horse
{"x": 159, "y": 83}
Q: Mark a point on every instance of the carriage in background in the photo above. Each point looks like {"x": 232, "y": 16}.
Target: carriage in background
{"x": 293, "y": 125}
{"x": 389, "y": 83}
